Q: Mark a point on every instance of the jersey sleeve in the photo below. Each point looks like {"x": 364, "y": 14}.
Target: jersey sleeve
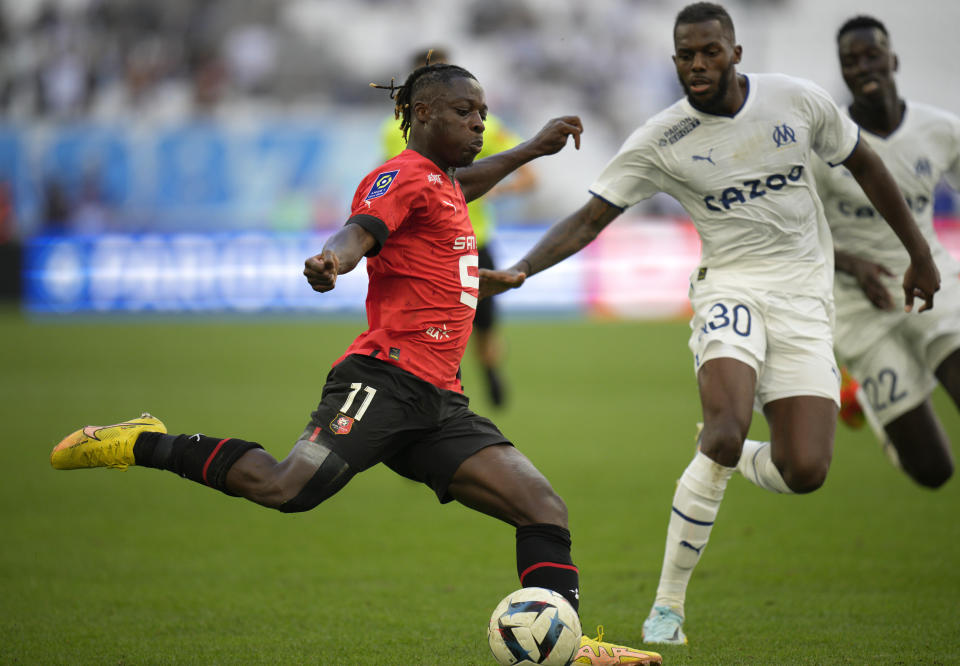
{"x": 632, "y": 175}
{"x": 834, "y": 136}
{"x": 384, "y": 201}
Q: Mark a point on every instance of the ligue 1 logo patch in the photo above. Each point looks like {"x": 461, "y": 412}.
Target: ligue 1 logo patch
{"x": 381, "y": 184}
{"x": 341, "y": 425}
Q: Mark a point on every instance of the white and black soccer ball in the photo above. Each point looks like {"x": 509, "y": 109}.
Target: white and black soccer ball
{"x": 534, "y": 626}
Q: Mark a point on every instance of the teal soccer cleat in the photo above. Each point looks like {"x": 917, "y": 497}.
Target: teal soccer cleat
{"x": 664, "y": 626}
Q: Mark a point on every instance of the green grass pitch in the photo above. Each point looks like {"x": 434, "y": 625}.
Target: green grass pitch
{"x": 141, "y": 567}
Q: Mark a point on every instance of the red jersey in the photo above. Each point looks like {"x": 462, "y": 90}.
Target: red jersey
{"x": 423, "y": 273}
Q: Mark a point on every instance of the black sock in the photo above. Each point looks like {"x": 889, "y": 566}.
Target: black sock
{"x": 543, "y": 560}
{"x": 197, "y": 457}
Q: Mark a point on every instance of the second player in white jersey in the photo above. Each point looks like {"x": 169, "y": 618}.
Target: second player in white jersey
{"x": 897, "y": 358}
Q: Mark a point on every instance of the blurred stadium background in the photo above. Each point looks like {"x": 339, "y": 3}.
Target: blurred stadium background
{"x": 197, "y": 151}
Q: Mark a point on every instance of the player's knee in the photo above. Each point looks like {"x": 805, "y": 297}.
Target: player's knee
{"x": 807, "y": 476}
{"x": 332, "y": 475}
{"x": 925, "y": 457}
{"x": 722, "y": 443}
{"x": 933, "y": 476}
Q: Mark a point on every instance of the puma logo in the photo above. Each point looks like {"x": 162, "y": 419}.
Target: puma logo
{"x": 708, "y": 158}
{"x": 692, "y": 547}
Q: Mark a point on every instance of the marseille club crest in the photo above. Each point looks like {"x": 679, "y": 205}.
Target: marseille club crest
{"x": 341, "y": 425}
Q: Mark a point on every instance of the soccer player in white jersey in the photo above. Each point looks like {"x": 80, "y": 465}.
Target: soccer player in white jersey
{"x": 897, "y": 358}
{"x": 736, "y": 153}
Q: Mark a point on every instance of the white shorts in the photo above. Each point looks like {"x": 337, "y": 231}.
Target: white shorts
{"x": 897, "y": 368}
{"x": 897, "y": 373}
{"x": 786, "y": 338}
{"x": 861, "y": 326}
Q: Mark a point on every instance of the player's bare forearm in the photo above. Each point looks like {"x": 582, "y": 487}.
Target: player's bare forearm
{"x": 568, "y": 236}
{"x": 341, "y": 254}
{"x": 478, "y": 178}
{"x": 350, "y": 243}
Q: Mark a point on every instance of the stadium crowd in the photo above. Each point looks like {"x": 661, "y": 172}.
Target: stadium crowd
{"x": 126, "y": 64}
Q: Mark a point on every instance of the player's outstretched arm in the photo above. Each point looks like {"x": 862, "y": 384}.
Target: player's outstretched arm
{"x": 869, "y": 276}
{"x": 922, "y": 279}
{"x": 341, "y": 254}
{"x": 477, "y": 179}
{"x": 566, "y": 237}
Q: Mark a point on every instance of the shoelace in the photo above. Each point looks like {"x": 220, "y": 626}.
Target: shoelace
{"x": 599, "y": 638}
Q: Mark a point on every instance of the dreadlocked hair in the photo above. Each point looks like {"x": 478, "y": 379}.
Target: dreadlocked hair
{"x": 420, "y": 79}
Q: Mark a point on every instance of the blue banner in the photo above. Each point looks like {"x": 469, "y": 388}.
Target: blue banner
{"x": 237, "y": 272}
{"x": 232, "y": 272}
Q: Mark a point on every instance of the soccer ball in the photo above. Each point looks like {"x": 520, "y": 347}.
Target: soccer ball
{"x": 534, "y": 626}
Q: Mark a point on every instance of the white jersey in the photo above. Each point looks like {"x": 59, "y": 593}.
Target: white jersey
{"x": 919, "y": 153}
{"x": 744, "y": 180}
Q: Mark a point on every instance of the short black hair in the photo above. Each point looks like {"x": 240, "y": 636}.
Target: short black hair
{"x": 861, "y": 21}
{"x": 420, "y": 79}
{"x": 699, "y": 12}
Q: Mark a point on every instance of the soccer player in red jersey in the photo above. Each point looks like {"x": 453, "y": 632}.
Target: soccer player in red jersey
{"x": 394, "y": 397}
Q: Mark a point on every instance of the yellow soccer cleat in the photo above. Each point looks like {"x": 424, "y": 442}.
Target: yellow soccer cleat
{"x": 596, "y": 651}
{"x": 103, "y": 446}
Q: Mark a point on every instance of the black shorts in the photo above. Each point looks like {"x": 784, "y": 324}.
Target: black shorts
{"x": 486, "y": 315}
{"x": 373, "y": 412}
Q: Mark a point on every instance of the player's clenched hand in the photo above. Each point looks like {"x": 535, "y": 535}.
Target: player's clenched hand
{"x": 553, "y": 136}
{"x": 921, "y": 280}
{"x": 493, "y": 282}
{"x": 869, "y": 276}
{"x": 321, "y": 271}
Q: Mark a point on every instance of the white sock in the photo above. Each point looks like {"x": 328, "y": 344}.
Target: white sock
{"x": 695, "y": 506}
{"x": 879, "y": 432}
{"x": 756, "y": 466}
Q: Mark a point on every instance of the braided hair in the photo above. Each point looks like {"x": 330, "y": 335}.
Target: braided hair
{"x": 420, "y": 79}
